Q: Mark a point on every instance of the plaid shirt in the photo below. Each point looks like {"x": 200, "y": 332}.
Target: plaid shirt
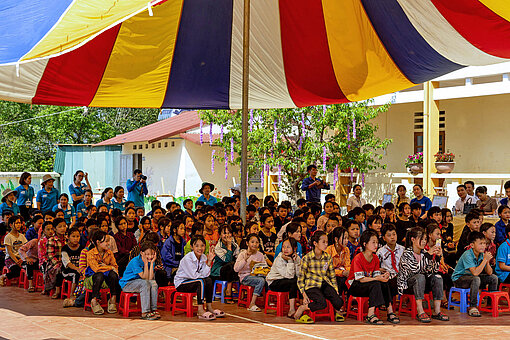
{"x": 314, "y": 272}
{"x": 54, "y": 249}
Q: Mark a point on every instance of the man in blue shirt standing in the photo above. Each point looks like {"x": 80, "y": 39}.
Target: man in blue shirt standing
{"x": 313, "y": 186}
{"x": 206, "y": 197}
{"x": 137, "y": 188}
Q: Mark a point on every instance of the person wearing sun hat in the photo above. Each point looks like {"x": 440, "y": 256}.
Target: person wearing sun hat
{"x": 206, "y": 197}
{"x": 47, "y": 197}
{"x": 9, "y": 201}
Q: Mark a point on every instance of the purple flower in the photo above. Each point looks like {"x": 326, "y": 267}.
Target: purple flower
{"x": 262, "y": 178}
{"x": 221, "y": 133}
{"x": 212, "y": 160}
{"x": 231, "y": 149}
{"x": 354, "y": 128}
{"x": 335, "y": 177}
{"x": 324, "y": 158}
{"x": 210, "y": 134}
{"x": 201, "y": 132}
{"x": 226, "y": 164}
{"x": 363, "y": 180}
{"x": 251, "y": 120}
{"x": 352, "y": 173}
{"x": 323, "y": 110}
{"x": 279, "y": 174}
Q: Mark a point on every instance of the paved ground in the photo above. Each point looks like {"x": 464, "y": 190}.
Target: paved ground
{"x": 32, "y": 316}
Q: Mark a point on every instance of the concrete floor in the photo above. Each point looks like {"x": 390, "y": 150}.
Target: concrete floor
{"x": 32, "y": 316}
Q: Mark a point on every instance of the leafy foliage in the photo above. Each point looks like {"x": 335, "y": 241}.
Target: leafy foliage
{"x": 315, "y": 127}
{"x": 30, "y": 145}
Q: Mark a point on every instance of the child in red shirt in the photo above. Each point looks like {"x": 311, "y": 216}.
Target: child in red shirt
{"x": 365, "y": 279}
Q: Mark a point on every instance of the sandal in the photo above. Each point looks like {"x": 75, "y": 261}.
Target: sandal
{"x": 305, "y": 319}
{"x": 68, "y": 303}
{"x": 339, "y": 317}
{"x": 373, "y": 320}
{"x": 31, "y": 289}
{"x": 156, "y": 314}
{"x": 148, "y": 316}
{"x": 474, "y": 312}
{"x": 207, "y": 316}
{"x": 441, "y": 317}
{"x": 97, "y": 309}
{"x": 254, "y": 308}
{"x": 112, "y": 308}
{"x": 394, "y": 320}
{"x": 291, "y": 316}
{"x": 219, "y": 313}
{"x": 55, "y": 296}
{"x": 423, "y": 318}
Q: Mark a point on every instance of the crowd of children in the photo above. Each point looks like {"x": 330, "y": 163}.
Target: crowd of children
{"x": 313, "y": 252}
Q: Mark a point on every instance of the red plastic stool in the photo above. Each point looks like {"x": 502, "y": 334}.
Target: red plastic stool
{"x": 282, "y": 301}
{"x": 495, "y": 308}
{"x": 168, "y": 292}
{"x": 65, "y": 291}
{"x": 362, "y": 308}
{"x": 22, "y": 281}
{"x": 411, "y": 300}
{"x": 125, "y": 304}
{"x": 38, "y": 280}
{"x": 9, "y": 282}
{"x": 328, "y": 312}
{"x": 504, "y": 285}
{"x": 185, "y": 305}
{"x": 104, "y": 298}
{"x": 246, "y": 294}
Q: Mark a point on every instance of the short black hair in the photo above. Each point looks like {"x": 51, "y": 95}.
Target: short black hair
{"x": 461, "y": 186}
{"x": 8, "y": 212}
{"x": 329, "y": 196}
{"x": 415, "y": 206}
{"x": 137, "y": 171}
{"x": 433, "y": 210}
{"x": 186, "y": 201}
{"x": 365, "y": 237}
{"x": 357, "y": 211}
{"x": 310, "y": 167}
{"x": 301, "y": 201}
{"x": 372, "y": 219}
{"x": 251, "y": 208}
{"x": 474, "y": 236}
{"x": 502, "y": 207}
{"x": 147, "y": 245}
{"x": 471, "y": 216}
{"x": 507, "y": 185}
{"x": 388, "y": 227}
{"x": 368, "y": 207}
{"x": 469, "y": 182}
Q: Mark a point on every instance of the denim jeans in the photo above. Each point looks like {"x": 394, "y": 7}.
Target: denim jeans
{"x": 419, "y": 283}
{"x": 474, "y": 283}
{"x": 148, "y": 290}
{"x": 258, "y": 282}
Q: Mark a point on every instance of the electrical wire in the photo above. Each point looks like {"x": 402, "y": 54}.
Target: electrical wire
{"x": 85, "y": 110}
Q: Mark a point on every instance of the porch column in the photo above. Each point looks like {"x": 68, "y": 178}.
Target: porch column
{"x": 430, "y": 135}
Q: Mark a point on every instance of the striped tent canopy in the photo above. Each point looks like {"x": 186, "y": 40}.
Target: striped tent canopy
{"x": 188, "y": 53}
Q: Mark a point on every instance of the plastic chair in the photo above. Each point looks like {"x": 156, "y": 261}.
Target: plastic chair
{"x": 22, "y": 280}
{"x": 125, "y": 304}
{"x": 281, "y": 305}
{"x": 504, "y": 285}
{"x": 222, "y": 286}
{"x": 38, "y": 280}
{"x": 9, "y": 282}
{"x": 464, "y": 299}
{"x": 185, "y": 305}
{"x": 494, "y": 307}
{"x": 104, "y": 298}
{"x": 362, "y": 308}
{"x": 246, "y": 294}
{"x": 168, "y": 292}
{"x": 411, "y": 308}
{"x": 328, "y": 312}
{"x": 65, "y": 291}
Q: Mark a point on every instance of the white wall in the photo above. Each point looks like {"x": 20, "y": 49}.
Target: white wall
{"x": 168, "y": 168}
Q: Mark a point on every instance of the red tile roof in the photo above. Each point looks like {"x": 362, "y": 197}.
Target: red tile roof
{"x": 195, "y": 137}
{"x": 160, "y": 130}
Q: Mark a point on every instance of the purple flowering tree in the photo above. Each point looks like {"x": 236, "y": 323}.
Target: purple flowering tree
{"x": 319, "y": 134}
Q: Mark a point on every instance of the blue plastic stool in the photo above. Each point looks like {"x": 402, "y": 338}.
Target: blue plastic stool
{"x": 464, "y": 301}
{"x": 221, "y": 293}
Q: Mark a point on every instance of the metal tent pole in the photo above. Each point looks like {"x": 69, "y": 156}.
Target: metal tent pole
{"x": 246, "y": 78}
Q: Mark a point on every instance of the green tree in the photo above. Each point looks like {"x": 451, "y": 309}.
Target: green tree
{"x": 315, "y": 128}
{"x": 30, "y": 145}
